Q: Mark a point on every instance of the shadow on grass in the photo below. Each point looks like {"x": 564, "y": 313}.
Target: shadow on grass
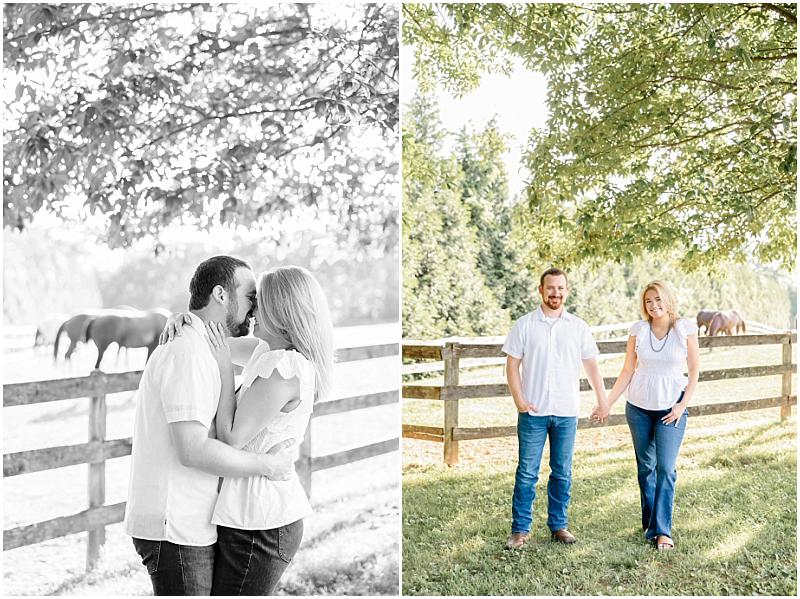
{"x": 370, "y": 575}
{"x": 337, "y": 527}
{"x": 734, "y": 526}
{"x": 759, "y": 436}
{"x": 68, "y": 587}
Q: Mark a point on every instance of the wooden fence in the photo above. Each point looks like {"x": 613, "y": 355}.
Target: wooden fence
{"x": 18, "y": 338}
{"x": 98, "y": 450}
{"x": 450, "y": 392}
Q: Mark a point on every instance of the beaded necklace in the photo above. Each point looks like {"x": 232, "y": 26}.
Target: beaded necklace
{"x": 666, "y": 338}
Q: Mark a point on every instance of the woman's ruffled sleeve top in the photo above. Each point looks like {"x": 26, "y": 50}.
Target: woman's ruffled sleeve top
{"x": 659, "y": 378}
{"x": 257, "y": 503}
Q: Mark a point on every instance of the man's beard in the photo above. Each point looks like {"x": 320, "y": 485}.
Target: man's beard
{"x": 553, "y": 303}
{"x": 235, "y": 328}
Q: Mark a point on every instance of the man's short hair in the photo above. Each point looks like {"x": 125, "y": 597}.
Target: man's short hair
{"x": 219, "y": 270}
{"x": 556, "y": 272}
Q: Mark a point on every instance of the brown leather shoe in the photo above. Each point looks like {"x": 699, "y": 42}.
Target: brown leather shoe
{"x": 562, "y": 536}
{"x": 517, "y": 540}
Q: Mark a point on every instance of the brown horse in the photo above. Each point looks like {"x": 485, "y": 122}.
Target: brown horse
{"x": 75, "y": 328}
{"x": 704, "y": 319}
{"x": 727, "y": 321}
{"x": 738, "y": 321}
{"x": 138, "y": 329}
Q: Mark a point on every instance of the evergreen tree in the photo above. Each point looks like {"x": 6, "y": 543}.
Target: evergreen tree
{"x": 444, "y": 290}
{"x": 484, "y": 191}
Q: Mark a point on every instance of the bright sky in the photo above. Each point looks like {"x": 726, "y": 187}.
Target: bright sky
{"x": 518, "y": 100}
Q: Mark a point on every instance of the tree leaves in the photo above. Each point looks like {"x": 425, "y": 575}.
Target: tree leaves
{"x": 689, "y": 109}
{"x": 200, "y": 114}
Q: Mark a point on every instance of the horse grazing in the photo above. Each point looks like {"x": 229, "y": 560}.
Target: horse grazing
{"x": 704, "y": 319}
{"x": 75, "y": 328}
{"x": 727, "y": 321}
{"x": 737, "y": 321}
{"x": 134, "y": 329}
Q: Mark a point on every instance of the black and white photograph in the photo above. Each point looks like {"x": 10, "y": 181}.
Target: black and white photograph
{"x": 201, "y": 299}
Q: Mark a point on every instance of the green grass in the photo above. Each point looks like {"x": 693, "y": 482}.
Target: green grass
{"x": 734, "y": 521}
{"x": 499, "y": 411}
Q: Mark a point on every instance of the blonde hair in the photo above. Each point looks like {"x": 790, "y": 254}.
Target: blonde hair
{"x": 667, "y": 298}
{"x": 293, "y": 308}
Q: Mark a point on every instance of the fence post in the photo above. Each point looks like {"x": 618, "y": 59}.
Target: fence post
{"x": 97, "y": 479}
{"x": 786, "y": 378}
{"x": 450, "y": 357}
{"x": 303, "y": 463}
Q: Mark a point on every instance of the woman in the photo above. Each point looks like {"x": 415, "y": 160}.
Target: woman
{"x": 658, "y": 394}
{"x": 287, "y": 368}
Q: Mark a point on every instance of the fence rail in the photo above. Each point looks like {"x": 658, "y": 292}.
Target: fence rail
{"x": 455, "y": 355}
{"x": 438, "y": 366}
{"x": 16, "y": 338}
{"x": 98, "y": 450}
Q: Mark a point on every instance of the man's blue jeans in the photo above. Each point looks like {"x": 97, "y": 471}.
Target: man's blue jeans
{"x": 656, "y": 445}
{"x": 177, "y": 569}
{"x": 532, "y": 432}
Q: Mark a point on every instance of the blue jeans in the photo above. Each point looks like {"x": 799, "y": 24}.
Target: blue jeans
{"x": 532, "y": 432}
{"x": 251, "y": 562}
{"x": 177, "y": 569}
{"x": 656, "y": 445}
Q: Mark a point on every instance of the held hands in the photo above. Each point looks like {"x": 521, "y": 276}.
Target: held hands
{"x": 279, "y": 460}
{"x": 173, "y": 327}
{"x": 600, "y": 412}
{"x": 674, "y": 414}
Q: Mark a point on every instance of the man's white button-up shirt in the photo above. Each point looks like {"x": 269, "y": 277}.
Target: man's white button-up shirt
{"x": 551, "y": 357}
{"x": 168, "y": 501}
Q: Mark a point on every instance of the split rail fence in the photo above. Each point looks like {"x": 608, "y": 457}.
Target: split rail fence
{"x": 451, "y": 391}
{"x": 98, "y": 450}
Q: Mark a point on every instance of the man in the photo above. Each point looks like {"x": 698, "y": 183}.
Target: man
{"x": 550, "y": 345}
{"x": 176, "y": 461}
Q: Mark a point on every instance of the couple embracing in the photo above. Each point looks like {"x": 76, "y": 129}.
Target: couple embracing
{"x": 545, "y": 351}
{"x": 214, "y": 504}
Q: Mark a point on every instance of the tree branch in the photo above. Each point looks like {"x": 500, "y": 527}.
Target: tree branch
{"x": 420, "y": 29}
{"x": 101, "y": 17}
{"x": 781, "y": 11}
{"x": 782, "y": 57}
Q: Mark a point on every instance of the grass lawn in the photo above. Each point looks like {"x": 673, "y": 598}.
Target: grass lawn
{"x": 734, "y": 524}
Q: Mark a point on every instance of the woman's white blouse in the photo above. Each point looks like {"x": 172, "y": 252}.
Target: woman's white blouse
{"x": 257, "y": 503}
{"x": 659, "y": 378}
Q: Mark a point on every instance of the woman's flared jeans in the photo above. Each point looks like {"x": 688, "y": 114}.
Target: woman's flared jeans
{"x": 656, "y": 445}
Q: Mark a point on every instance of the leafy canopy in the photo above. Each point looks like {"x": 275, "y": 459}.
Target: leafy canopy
{"x": 670, "y": 125}
{"x": 195, "y": 113}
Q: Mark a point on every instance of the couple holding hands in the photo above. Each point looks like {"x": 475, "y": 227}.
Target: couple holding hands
{"x": 545, "y": 350}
